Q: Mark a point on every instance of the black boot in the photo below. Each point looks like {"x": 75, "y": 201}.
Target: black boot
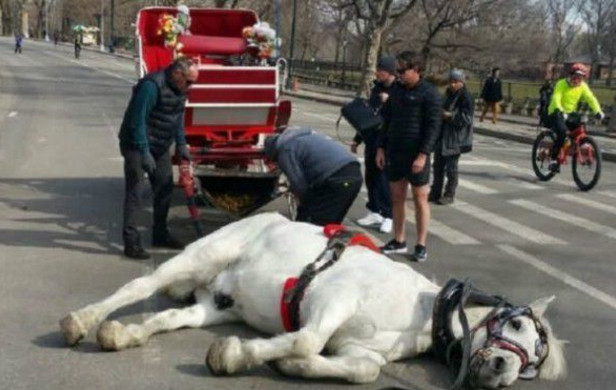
{"x": 136, "y": 252}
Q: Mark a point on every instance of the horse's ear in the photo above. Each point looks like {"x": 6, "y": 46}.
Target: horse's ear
{"x": 540, "y": 305}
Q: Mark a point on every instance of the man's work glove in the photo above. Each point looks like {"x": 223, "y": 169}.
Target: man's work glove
{"x": 599, "y": 116}
{"x": 183, "y": 152}
{"x": 148, "y": 163}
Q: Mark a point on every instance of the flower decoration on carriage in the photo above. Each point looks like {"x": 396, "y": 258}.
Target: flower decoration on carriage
{"x": 262, "y": 38}
{"x": 170, "y": 27}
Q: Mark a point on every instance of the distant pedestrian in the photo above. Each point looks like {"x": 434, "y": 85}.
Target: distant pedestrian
{"x": 379, "y": 198}
{"x": 56, "y": 37}
{"x": 322, "y": 174}
{"x": 18, "y": 42}
{"x": 153, "y": 121}
{"x": 456, "y": 138}
{"x": 492, "y": 95}
{"x": 412, "y": 116}
{"x": 545, "y": 95}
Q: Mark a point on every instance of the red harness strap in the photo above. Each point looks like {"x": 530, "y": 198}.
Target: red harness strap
{"x": 329, "y": 231}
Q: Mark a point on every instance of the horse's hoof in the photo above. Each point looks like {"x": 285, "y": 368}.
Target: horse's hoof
{"x": 112, "y": 336}
{"x": 224, "y": 357}
{"x": 72, "y": 329}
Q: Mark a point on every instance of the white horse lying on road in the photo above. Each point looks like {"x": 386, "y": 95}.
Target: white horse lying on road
{"x": 365, "y": 310}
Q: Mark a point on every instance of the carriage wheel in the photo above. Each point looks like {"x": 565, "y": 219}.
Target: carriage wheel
{"x": 586, "y": 164}
{"x": 542, "y": 148}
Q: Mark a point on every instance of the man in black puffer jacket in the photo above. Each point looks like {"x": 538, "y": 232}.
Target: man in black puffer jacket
{"x": 153, "y": 121}
{"x": 412, "y": 117}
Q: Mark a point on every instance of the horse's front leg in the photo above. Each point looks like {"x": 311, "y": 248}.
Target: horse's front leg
{"x": 229, "y": 355}
{"x": 355, "y": 365}
{"x": 76, "y": 325}
{"x": 114, "y": 336}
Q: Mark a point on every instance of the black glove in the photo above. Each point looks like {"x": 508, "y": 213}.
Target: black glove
{"x": 148, "y": 163}
{"x": 183, "y": 152}
{"x": 599, "y": 116}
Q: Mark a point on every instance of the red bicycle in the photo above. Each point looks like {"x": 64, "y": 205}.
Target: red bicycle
{"x": 586, "y": 160}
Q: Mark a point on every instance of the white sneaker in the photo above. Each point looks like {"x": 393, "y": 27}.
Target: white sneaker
{"x": 371, "y": 219}
{"x": 386, "y": 225}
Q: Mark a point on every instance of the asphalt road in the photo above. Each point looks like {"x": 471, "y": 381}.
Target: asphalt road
{"x": 60, "y": 248}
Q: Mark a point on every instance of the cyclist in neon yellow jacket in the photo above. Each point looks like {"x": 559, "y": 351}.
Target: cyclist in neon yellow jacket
{"x": 567, "y": 94}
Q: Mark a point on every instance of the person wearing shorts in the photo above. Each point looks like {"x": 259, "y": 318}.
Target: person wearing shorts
{"x": 412, "y": 117}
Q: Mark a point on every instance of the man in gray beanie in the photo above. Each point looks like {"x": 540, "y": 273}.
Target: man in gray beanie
{"x": 322, "y": 174}
{"x": 379, "y": 198}
{"x": 456, "y": 138}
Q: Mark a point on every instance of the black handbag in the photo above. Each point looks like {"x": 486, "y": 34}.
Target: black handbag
{"x": 361, "y": 115}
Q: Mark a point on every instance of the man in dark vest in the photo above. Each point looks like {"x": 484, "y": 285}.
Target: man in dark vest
{"x": 153, "y": 121}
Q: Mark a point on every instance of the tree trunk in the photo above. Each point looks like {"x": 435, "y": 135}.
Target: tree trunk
{"x": 373, "y": 43}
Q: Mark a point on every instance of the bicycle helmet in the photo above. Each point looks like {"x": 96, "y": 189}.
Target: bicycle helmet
{"x": 578, "y": 69}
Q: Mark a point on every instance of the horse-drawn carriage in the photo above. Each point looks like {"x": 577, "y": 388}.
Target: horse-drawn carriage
{"x": 230, "y": 109}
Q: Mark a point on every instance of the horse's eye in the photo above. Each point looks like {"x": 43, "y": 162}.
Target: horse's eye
{"x": 516, "y": 324}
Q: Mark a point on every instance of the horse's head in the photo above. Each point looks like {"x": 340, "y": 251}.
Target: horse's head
{"x": 516, "y": 342}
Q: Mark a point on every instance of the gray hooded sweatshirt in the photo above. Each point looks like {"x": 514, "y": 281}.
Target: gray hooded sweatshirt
{"x": 306, "y": 158}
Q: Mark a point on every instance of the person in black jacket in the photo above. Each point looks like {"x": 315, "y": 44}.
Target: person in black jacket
{"x": 379, "y": 199}
{"x": 412, "y": 117}
{"x": 492, "y": 95}
{"x": 153, "y": 121}
{"x": 456, "y": 138}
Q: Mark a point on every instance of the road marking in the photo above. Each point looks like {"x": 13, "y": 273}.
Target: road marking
{"x": 611, "y": 194}
{"x": 560, "y": 275}
{"x": 587, "y": 202}
{"x": 524, "y": 184}
{"x": 507, "y": 224}
{"x": 469, "y": 185}
{"x": 12, "y": 114}
{"x": 568, "y": 218}
{"x": 444, "y": 232}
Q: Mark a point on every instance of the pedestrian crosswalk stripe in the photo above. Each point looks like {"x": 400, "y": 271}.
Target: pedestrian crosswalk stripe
{"x": 611, "y": 194}
{"x": 444, "y": 232}
{"x": 526, "y": 185}
{"x": 479, "y": 188}
{"x": 565, "y": 217}
{"x": 507, "y": 224}
{"x": 587, "y": 202}
{"x": 560, "y": 275}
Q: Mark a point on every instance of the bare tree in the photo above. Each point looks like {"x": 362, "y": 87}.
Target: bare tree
{"x": 609, "y": 44}
{"x": 597, "y": 14}
{"x": 374, "y": 17}
{"x": 563, "y": 17}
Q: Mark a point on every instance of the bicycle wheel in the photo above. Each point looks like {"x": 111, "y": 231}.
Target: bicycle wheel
{"x": 586, "y": 164}
{"x": 542, "y": 148}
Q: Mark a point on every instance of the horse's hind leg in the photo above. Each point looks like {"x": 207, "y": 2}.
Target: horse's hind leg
{"x": 76, "y": 325}
{"x": 114, "y": 336}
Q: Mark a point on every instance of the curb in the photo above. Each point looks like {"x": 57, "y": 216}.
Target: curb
{"x": 607, "y": 156}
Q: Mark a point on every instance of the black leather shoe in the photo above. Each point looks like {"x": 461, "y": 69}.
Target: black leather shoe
{"x": 136, "y": 252}
{"x": 167, "y": 242}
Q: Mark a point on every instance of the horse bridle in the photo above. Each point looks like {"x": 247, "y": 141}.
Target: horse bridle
{"x": 456, "y": 352}
{"x": 494, "y": 325}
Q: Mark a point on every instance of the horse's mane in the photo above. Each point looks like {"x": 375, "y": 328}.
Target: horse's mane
{"x": 555, "y": 366}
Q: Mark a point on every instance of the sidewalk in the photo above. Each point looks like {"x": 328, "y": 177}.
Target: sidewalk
{"x": 511, "y": 127}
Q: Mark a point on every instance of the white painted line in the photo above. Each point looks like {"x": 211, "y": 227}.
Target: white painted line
{"x": 587, "y": 202}
{"x": 560, "y": 275}
{"x": 506, "y": 224}
{"x": 611, "y": 194}
{"x": 567, "y": 218}
{"x": 469, "y": 185}
{"x": 524, "y": 184}
{"x": 12, "y": 114}
{"x": 444, "y": 232}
